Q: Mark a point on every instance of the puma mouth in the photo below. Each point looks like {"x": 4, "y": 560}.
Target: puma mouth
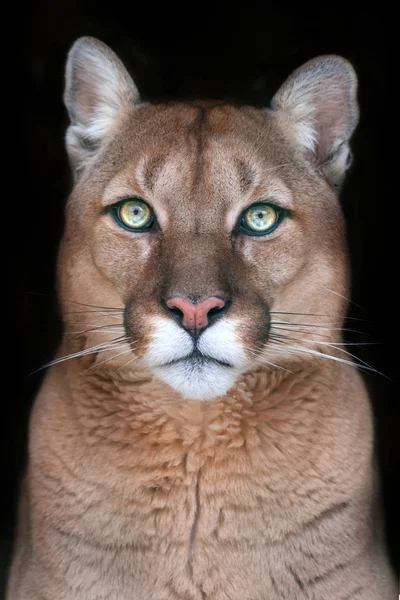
{"x": 197, "y": 360}
{"x": 200, "y": 372}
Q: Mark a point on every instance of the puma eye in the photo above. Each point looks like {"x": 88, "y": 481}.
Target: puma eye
{"x": 133, "y": 214}
{"x": 261, "y": 219}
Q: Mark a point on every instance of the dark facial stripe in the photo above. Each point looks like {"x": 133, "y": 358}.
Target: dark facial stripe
{"x": 197, "y": 129}
{"x": 151, "y": 170}
{"x": 245, "y": 175}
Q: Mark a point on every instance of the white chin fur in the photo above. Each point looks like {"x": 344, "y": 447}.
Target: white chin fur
{"x": 198, "y": 382}
{"x": 196, "y": 379}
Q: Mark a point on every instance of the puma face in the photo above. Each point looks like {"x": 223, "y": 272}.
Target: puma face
{"x": 204, "y": 226}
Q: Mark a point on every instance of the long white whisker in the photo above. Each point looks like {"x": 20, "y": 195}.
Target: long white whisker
{"x": 328, "y": 326}
{"x": 108, "y": 308}
{"x": 310, "y": 351}
{"x": 85, "y": 352}
{"x": 334, "y": 345}
{"x": 344, "y": 298}
{"x": 94, "y": 326}
{"x": 305, "y": 327}
{"x": 311, "y": 341}
{"x": 110, "y": 358}
{"x": 93, "y": 350}
{"x": 92, "y": 331}
{"x": 127, "y": 363}
{"x": 356, "y": 358}
{"x": 258, "y": 353}
{"x": 96, "y": 312}
{"x": 275, "y": 312}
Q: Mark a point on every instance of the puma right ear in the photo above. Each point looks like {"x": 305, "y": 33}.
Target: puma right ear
{"x": 98, "y": 89}
{"x": 319, "y": 99}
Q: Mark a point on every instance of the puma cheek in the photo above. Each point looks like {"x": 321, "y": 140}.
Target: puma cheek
{"x": 167, "y": 342}
{"x": 223, "y": 341}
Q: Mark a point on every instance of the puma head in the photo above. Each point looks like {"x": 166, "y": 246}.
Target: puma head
{"x": 206, "y": 225}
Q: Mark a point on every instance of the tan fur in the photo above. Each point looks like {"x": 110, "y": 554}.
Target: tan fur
{"x": 267, "y": 492}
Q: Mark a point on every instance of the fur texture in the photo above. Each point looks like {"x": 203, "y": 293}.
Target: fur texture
{"x": 238, "y": 464}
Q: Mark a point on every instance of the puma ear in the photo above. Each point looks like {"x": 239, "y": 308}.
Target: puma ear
{"x": 98, "y": 89}
{"x": 319, "y": 99}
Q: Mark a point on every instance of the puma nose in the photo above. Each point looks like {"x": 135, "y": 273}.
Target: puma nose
{"x": 196, "y": 316}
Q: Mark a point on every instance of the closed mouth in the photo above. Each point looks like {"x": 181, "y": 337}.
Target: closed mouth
{"x": 197, "y": 359}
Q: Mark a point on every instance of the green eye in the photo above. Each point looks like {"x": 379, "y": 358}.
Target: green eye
{"x": 133, "y": 214}
{"x": 261, "y": 219}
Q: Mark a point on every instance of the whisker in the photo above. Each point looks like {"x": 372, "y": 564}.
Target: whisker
{"x": 96, "y": 329}
{"x": 260, "y": 354}
{"x": 310, "y": 351}
{"x": 130, "y": 349}
{"x": 308, "y": 328}
{"x": 276, "y": 312}
{"x": 330, "y": 345}
{"x": 95, "y": 305}
{"x": 330, "y": 326}
{"x": 347, "y": 299}
{"x": 327, "y": 334}
{"x": 316, "y": 315}
{"x": 75, "y": 334}
{"x": 127, "y": 363}
{"x": 85, "y": 352}
{"x": 279, "y": 335}
{"x": 278, "y": 325}
{"x": 114, "y": 314}
{"x": 109, "y": 358}
{"x": 97, "y": 326}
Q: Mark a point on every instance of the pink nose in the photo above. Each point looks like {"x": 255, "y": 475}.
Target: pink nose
{"x": 195, "y": 316}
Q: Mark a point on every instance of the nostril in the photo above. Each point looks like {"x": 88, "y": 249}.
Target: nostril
{"x": 182, "y": 309}
{"x": 218, "y": 311}
{"x": 175, "y": 311}
{"x": 171, "y": 309}
{"x": 214, "y": 311}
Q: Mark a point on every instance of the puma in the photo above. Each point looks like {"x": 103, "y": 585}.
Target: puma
{"x": 203, "y": 433}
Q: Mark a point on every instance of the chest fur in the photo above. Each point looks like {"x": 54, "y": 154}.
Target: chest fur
{"x": 191, "y": 495}
{"x": 193, "y": 516}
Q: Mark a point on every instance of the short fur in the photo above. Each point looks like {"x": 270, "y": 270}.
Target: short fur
{"x": 149, "y": 481}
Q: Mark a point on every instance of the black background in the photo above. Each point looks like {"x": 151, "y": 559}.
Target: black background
{"x": 174, "y": 51}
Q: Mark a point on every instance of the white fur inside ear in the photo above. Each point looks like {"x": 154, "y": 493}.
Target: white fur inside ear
{"x": 318, "y": 103}
{"x": 304, "y": 129}
{"x": 109, "y": 89}
{"x": 298, "y": 104}
{"x": 98, "y": 91}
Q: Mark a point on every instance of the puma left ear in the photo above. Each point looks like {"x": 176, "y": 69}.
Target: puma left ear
{"x": 98, "y": 90}
{"x": 319, "y": 99}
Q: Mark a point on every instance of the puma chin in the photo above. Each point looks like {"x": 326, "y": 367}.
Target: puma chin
{"x": 199, "y": 369}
